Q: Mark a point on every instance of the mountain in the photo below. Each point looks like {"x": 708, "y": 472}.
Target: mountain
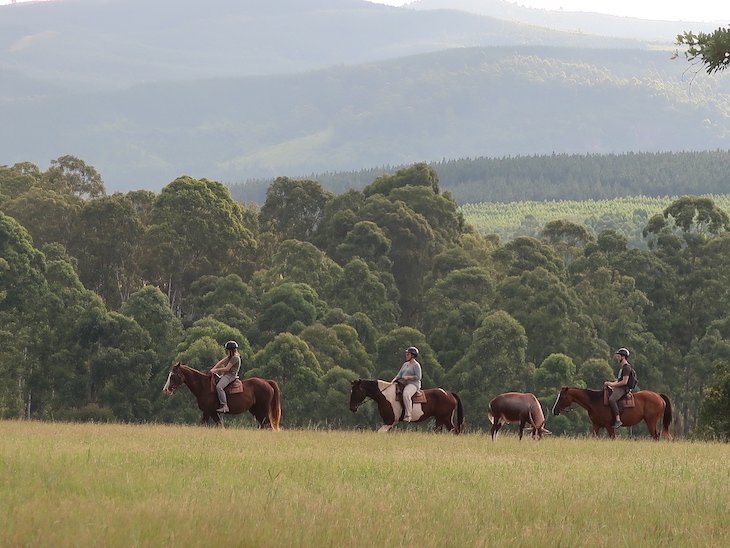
{"x": 573, "y": 21}
{"x": 232, "y": 90}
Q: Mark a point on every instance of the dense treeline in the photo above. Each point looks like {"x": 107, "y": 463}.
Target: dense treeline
{"x": 549, "y": 177}
{"x": 99, "y": 294}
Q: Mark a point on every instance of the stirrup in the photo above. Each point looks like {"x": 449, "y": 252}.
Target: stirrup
{"x": 223, "y": 409}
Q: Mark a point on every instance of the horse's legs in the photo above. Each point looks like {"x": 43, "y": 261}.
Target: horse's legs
{"x": 522, "y": 427}
{"x": 496, "y": 425}
{"x": 651, "y": 425}
{"x": 611, "y": 432}
{"x": 386, "y": 427}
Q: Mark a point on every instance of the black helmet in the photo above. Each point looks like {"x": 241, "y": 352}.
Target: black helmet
{"x": 230, "y": 345}
{"x": 622, "y": 352}
{"x": 413, "y": 350}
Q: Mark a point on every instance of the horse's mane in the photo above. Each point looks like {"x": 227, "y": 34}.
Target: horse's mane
{"x": 186, "y": 366}
{"x": 594, "y": 395}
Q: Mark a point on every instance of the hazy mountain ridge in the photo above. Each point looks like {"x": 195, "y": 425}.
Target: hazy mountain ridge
{"x": 574, "y": 21}
{"x": 456, "y": 103}
{"x": 83, "y": 44}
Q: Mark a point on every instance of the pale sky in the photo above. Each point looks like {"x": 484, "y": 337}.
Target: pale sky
{"x": 664, "y": 10}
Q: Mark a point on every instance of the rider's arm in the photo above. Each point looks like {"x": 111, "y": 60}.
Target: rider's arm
{"x": 219, "y": 366}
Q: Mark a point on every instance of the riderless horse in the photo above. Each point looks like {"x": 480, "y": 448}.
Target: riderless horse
{"x": 649, "y": 407}
{"x": 261, "y": 397}
{"x": 440, "y": 405}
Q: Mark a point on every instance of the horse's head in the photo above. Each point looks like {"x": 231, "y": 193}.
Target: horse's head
{"x": 563, "y": 401}
{"x": 358, "y": 395}
{"x": 174, "y": 379}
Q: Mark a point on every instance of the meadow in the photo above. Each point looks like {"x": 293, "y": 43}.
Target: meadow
{"x": 64, "y": 484}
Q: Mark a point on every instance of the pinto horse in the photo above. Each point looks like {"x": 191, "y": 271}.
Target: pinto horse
{"x": 440, "y": 405}
{"x": 261, "y": 397}
{"x": 650, "y": 407}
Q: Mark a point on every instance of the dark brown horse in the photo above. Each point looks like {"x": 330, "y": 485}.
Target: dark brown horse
{"x": 440, "y": 405}
{"x": 650, "y": 407}
{"x": 261, "y": 397}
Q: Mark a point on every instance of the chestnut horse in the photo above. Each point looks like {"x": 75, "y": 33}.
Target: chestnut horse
{"x": 440, "y": 405}
{"x": 650, "y": 407}
{"x": 261, "y": 397}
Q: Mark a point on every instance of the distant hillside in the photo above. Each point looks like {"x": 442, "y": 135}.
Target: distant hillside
{"x": 574, "y": 21}
{"x": 549, "y": 177}
{"x": 90, "y": 45}
{"x": 147, "y": 90}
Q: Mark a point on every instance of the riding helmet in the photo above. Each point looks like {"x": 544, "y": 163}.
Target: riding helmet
{"x": 622, "y": 352}
{"x": 230, "y": 345}
{"x": 413, "y": 350}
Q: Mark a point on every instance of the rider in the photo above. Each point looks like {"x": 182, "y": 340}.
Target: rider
{"x": 229, "y": 366}
{"x": 620, "y": 386}
{"x": 410, "y": 377}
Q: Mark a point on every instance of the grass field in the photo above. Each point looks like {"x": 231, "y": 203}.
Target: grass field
{"x": 120, "y": 485}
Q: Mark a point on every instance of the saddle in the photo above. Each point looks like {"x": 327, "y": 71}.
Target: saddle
{"x": 626, "y": 401}
{"x": 236, "y": 387}
{"x": 418, "y": 397}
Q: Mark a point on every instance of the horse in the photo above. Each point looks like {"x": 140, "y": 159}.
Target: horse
{"x": 440, "y": 405}
{"x": 261, "y": 397}
{"x": 649, "y": 407}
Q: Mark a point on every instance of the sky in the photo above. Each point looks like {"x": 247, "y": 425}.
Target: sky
{"x": 665, "y": 10}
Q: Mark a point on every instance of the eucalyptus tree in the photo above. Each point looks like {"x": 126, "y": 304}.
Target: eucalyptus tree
{"x": 495, "y": 362}
{"x": 288, "y": 360}
{"x": 288, "y": 307}
{"x": 294, "y": 208}
{"x": 297, "y": 261}
{"x": 196, "y": 229}
{"x": 337, "y": 346}
{"x": 373, "y": 293}
{"x": 71, "y": 175}
{"x": 524, "y": 254}
{"x": 49, "y": 216}
{"x": 551, "y": 314}
{"x": 23, "y": 286}
{"x": 453, "y": 308}
{"x": 107, "y": 243}
{"x": 412, "y": 248}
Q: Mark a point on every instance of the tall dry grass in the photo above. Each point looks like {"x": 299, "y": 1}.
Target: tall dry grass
{"x": 153, "y": 485}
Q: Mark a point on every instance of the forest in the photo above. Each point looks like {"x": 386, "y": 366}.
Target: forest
{"x": 100, "y": 294}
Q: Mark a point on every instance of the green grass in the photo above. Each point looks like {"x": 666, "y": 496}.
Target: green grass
{"x": 120, "y": 485}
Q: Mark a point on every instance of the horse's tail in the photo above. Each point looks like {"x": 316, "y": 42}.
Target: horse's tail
{"x": 667, "y": 419}
{"x": 275, "y": 406}
{"x": 459, "y": 426}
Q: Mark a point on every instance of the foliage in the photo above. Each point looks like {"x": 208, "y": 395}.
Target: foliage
{"x": 710, "y": 50}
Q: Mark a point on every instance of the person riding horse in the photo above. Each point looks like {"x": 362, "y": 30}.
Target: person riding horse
{"x": 624, "y": 383}
{"x": 229, "y": 366}
{"x": 409, "y": 377}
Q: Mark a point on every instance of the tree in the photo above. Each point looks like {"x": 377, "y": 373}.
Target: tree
{"x": 494, "y": 363}
{"x": 58, "y": 218}
{"x": 197, "y": 229}
{"x": 288, "y": 360}
{"x": 107, "y": 243}
{"x": 70, "y": 175}
{"x": 709, "y": 50}
{"x": 294, "y": 208}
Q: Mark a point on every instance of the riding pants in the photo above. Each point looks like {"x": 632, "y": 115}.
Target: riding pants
{"x": 224, "y": 381}
{"x": 617, "y": 393}
{"x": 408, "y": 391}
